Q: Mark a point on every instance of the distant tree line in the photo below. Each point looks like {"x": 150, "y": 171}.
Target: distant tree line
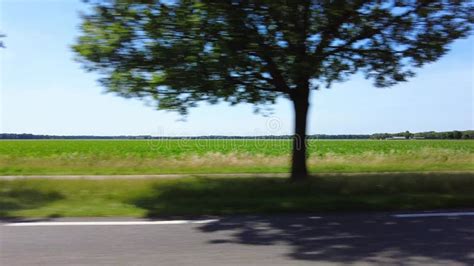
{"x": 455, "y": 134}
{"x": 318, "y": 136}
{"x": 467, "y": 134}
{"x": 33, "y": 136}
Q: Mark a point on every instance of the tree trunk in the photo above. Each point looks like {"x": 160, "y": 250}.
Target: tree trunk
{"x": 299, "y": 169}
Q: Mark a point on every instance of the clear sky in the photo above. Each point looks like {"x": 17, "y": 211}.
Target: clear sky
{"x": 44, "y": 91}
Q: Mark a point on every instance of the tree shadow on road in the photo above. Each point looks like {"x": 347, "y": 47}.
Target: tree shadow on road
{"x": 378, "y": 239}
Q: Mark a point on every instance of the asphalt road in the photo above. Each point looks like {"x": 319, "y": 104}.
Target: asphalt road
{"x": 356, "y": 239}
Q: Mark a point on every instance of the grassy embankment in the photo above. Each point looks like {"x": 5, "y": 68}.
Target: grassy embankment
{"x": 42, "y": 157}
{"x": 214, "y": 196}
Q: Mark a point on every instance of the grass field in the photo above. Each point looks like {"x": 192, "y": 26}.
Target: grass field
{"x": 30, "y": 157}
{"x": 218, "y": 196}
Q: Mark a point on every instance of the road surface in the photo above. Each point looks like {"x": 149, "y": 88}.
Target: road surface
{"x": 356, "y": 239}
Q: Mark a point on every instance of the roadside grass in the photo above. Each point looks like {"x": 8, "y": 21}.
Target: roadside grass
{"x": 227, "y": 196}
{"x": 112, "y": 157}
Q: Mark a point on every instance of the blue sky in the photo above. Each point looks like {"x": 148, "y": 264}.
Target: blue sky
{"x": 43, "y": 91}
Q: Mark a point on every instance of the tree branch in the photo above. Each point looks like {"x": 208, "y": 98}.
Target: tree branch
{"x": 265, "y": 54}
{"x": 368, "y": 33}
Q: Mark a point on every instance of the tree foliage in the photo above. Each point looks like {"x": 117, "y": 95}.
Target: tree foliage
{"x": 178, "y": 53}
{"x": 2, "y": 45}
{"x": 181, "y": 52}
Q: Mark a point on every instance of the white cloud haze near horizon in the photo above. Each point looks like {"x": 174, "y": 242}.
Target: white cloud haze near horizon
{"x": 44, "y": 91}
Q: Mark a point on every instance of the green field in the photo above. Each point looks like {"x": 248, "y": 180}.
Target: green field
{"x": 222, "y": 196}
{"x": 30, "y": 157}
{"x": 449, "y": 184}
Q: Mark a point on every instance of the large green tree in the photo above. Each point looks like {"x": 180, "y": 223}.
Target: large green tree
{"x": 178, "y": 53}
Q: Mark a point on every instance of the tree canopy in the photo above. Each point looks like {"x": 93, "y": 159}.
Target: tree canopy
{"x": 182, "y": 52}
{"x": 178, "y": 53}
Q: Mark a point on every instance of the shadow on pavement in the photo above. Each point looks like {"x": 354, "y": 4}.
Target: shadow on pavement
{"x": 368, "y": 238}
